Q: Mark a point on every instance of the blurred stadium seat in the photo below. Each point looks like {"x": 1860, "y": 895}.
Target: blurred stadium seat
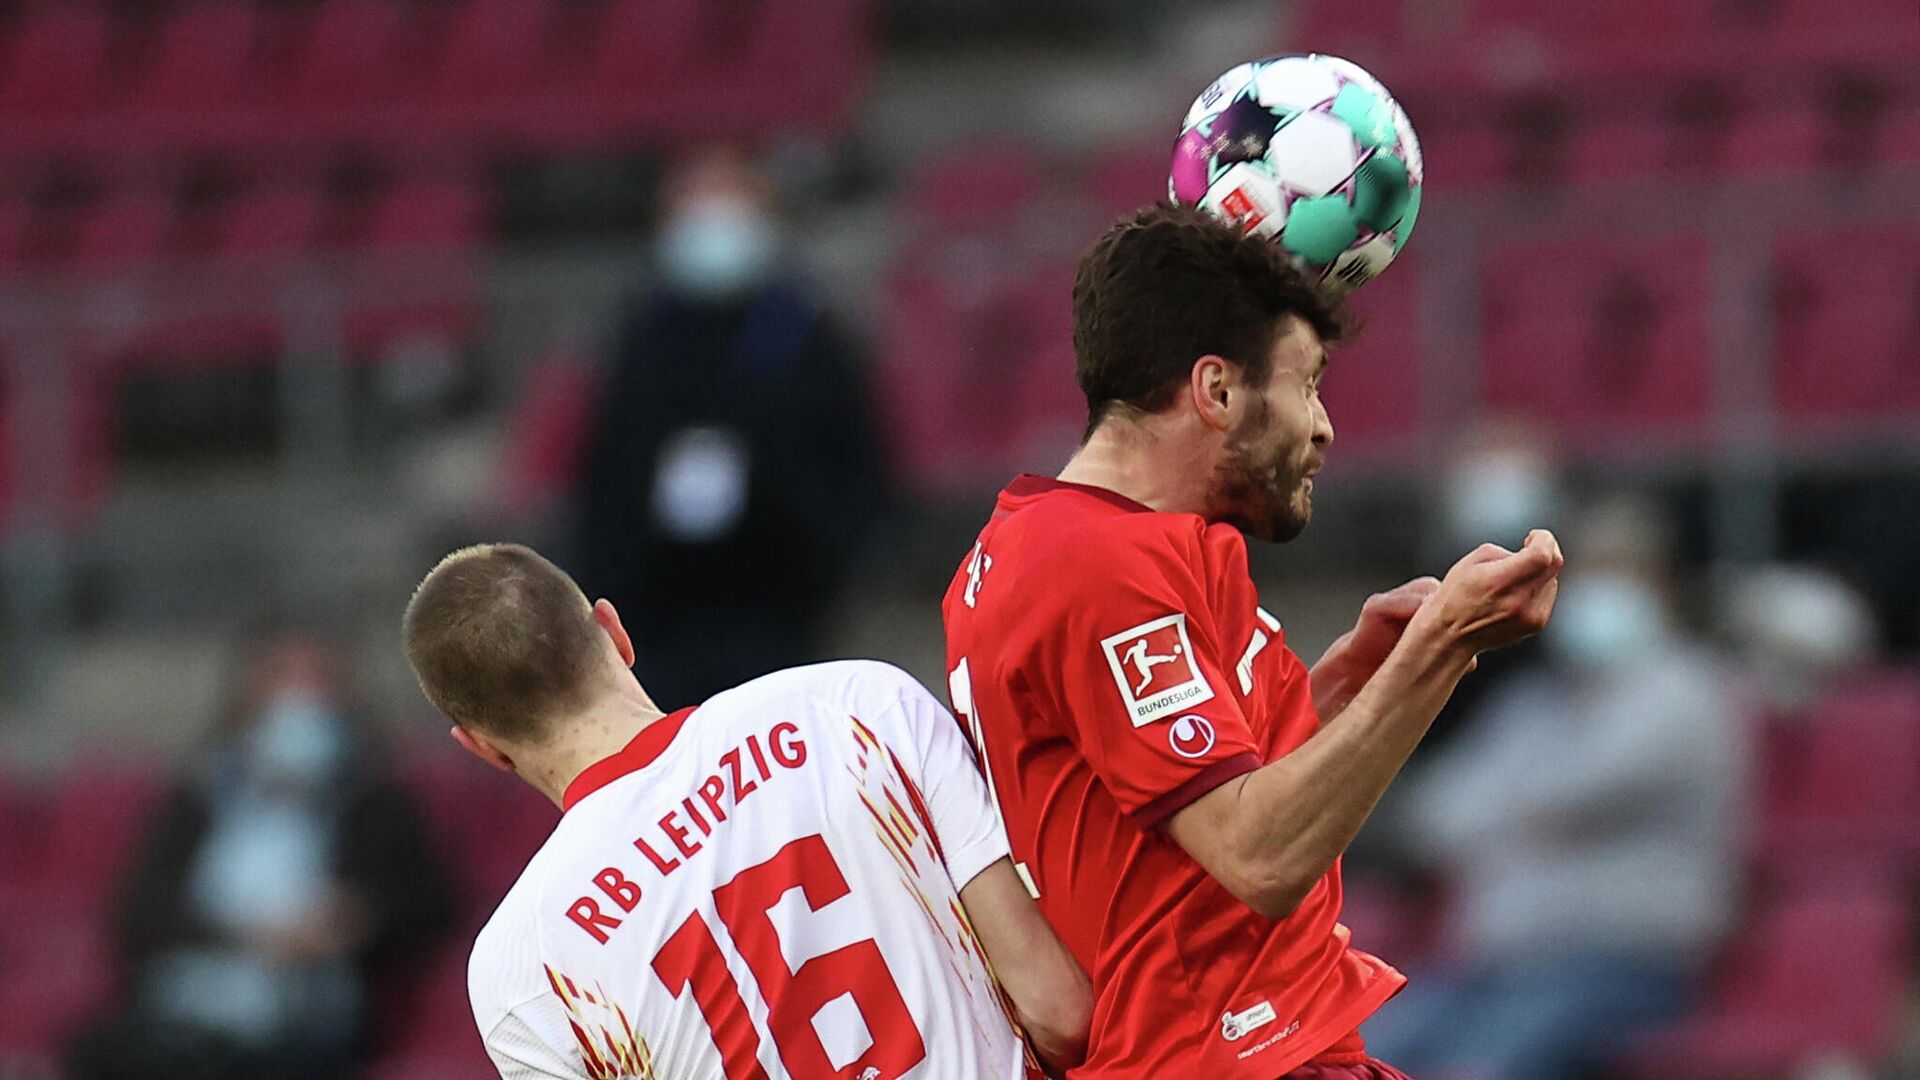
{"x": 1603, "y": 337}
{"x": 96, "y": 815}
{"x": 200, "y": 68}
{"x": 1845, "y": 336}
{"x": 54, "y": 71}
{"x": 121, "y": 234}
{"x": 1845, "y": 802}
{"x": 1820, "y": 971}
{"x": 1373, "y": 385}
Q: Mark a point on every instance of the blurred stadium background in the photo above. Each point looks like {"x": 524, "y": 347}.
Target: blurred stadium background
{"x": 297, "y": 294}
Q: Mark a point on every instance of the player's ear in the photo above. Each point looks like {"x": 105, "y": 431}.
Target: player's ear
{"x": 1212, "y": 386}
{"x": 609, "y": 621}
{"x": 479, "y": 747}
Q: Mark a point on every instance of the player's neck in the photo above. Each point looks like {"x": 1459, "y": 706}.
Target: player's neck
{"x": 1145, "y": 463}
{"x": 601, "y": 731}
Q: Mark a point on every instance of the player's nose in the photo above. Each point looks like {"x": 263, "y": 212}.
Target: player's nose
{"x": 1322, "y": 426}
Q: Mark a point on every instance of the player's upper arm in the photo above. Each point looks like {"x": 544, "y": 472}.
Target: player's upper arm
{"x": 947, "y": 776}
{"x": 1052, "y": 997}
{"x": 1137, "y": 669}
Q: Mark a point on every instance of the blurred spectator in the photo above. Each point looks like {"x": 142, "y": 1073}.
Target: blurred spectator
{"x": 1502, "y": 480}
{"x": 1588, "y": 824}
{"x": 734, "y": 467}
{"x": 282, "y": 881}
{"x": 1797, "y": 628}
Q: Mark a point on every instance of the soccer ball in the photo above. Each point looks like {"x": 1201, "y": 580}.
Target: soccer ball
{"x": 1311, "y": 152}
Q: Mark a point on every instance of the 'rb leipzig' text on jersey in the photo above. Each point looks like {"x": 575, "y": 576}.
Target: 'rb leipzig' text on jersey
{"x": 766, "y": 886}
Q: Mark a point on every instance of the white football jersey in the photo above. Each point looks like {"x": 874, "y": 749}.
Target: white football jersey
{"x": 766, "y": 886}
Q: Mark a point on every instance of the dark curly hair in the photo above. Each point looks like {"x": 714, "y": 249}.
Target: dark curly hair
{"x": 1167, "y": 285}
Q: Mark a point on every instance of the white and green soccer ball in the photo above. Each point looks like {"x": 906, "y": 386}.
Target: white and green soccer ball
{"x": 1311, "y": 152}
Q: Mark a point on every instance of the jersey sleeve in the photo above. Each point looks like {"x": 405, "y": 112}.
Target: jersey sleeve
{"x": 1141, "y": 675}
{"x": 519, "y": 1053}
{"x": 966, "y": 822}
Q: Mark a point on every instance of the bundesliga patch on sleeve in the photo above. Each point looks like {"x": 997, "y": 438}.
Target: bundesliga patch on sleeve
{"x": 1154, "y": 668}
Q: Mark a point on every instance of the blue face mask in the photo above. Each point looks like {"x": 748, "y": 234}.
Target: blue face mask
{"x": 298, "y": 739}
{"x": 717, "y": 247}
{"x": 1602, "y": 619}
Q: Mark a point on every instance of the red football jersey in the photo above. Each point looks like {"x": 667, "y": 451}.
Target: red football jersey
{"x": 1113, "y": 665}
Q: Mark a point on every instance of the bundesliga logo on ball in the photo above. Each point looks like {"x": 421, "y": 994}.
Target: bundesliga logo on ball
{"x": 1311, "y": 152}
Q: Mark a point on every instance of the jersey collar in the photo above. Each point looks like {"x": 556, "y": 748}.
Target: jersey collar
{"x": 1028, "y": 484}
{"x": 645, "y": 748}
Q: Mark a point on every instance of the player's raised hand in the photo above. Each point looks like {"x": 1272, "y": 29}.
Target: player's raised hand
{"x": 1353, "y": 657}
{"x": 1495, "y": 597}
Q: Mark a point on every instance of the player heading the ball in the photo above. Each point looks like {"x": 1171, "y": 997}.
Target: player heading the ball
{"x": 802, "y": 877}
{"x": 1178, "y": 787}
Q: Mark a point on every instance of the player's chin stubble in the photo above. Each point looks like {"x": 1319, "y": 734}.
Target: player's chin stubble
{"x": 1262, "y": 496}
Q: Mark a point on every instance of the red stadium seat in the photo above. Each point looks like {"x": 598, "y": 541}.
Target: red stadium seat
{"x": 277, "y": 222}
{"x": 1785, "y": 139}
{"x": 1049, "y": 411}
{"x": 1848, "y": 801}
{"x": 420, "y": 234}
{"x": 201, "y": 66}
{"x": 431, "y": 215}
{"x": 981, "y": 186}
{"x": 1893, "y": 20}
{"x": 1360, "y": 29}
{"x": 1606, "y": 338}
{"x": 252, "y": 246}
{"x": 1372, "y": 388}
{"x": 1819, "y": 971}
{"x": 832, "y": 35}
{"x": 97, "y": 815}
{"x": 635, "y": 56}
{"x": 1600, "y": 22}
{"x": 348, "y": 64}
{"x": 547, "y": 429}
{"x": 489, "y": 825}
{"x": 16, "y": 228}
{"x": 58, "y": 972}
{"x": 492, "y": 58}
{"x": 1846, "y": 308}
{"x": 956, "y": 343}
{"x": 54, "y": 64}
{"x": 121, "y": 235}
{"x": 1125, "y": 179}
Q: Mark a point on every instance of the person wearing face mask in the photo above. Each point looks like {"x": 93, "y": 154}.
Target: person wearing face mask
{"x": 1587, "y": 823}
{"x": 279, "y": 883}
{"x": 733, "y": 469}
{"x": 1502, "y": 479}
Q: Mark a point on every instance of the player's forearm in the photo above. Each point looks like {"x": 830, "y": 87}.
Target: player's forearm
{"x": 1298, "y": 814}
{"x": 1059, "y": 1048}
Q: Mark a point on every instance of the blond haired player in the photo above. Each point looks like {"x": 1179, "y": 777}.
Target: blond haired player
{"x": 802, "y": 877}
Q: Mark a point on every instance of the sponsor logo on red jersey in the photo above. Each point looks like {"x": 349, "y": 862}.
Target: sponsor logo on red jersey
{"x": 1154, "y": 669}
{"x": 1191, "y": 736}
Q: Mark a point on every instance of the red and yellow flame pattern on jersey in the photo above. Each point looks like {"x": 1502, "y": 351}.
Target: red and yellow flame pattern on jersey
{"x": 609, "y": 1047}
{"x": 901, "y": 821}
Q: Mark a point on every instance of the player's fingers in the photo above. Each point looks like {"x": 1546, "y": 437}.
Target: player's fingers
{"x": 1486, "y": 553}
{"x": 1402, "y": 602}
{"x": 1421, "y": 587}
{"x": 1547, "y": 542}
{"x": 1520, "y": 572}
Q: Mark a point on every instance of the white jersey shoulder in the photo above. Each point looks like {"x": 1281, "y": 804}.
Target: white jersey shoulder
{"x": 773, "y": 891}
